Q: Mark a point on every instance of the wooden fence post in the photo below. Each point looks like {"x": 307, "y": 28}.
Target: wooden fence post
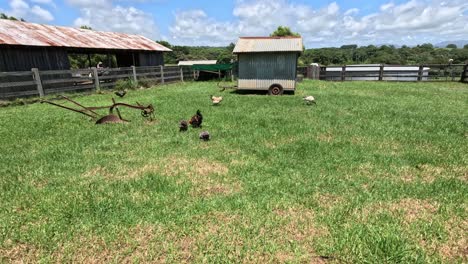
{"x": 96, "y": 79}
{"x": 313, "y": 72}
{"x": 37, "y": 78}
{"x": 323, "y": 73}
{"x": 420, "y": 72}
{"x": 381, "y": 72}
{"x": 343, "y": 73}
{"x": 181, "y": 74}
{"x": 162, "y": 74}
{"x": 134, "y": 74}
{"x": 463, "y": 75}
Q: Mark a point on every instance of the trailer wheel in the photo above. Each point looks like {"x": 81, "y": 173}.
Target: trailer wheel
{"x": 275, "y": 89}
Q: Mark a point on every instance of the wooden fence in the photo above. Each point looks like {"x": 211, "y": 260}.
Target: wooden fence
{"x": 464, "y": 77}
{"x": 40, "y": 83}
{"x": 429, "y": 72}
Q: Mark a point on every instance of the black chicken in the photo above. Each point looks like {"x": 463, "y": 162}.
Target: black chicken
{"x": 196, "y": 120}
{"x": 121, "y": 93}
{"x": 183, "y": 126}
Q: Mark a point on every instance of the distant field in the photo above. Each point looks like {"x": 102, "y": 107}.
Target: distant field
{"x": 374, "y": 173}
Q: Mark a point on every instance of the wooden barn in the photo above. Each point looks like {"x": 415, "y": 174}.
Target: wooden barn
{"x": 24, "y": 46}
{"x": 268, "y": 63}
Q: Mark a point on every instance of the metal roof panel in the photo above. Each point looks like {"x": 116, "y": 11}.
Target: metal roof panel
{"x": 30, "y": 34}
{"x": 268, "y": 44}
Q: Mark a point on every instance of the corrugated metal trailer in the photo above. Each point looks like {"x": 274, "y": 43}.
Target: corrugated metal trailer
{"x": 268, "y": 63}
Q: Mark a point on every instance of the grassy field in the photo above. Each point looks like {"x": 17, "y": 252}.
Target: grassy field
{"x": 374, "y": 173}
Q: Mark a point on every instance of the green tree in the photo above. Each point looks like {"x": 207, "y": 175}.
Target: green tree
{"x": 353, "y": 46}
{"x": 466, "y": 46}
{"x": 4, "y": 16}
{"x": 86, "y": 27}
{"x": 284, "y": 32}
{"x": 451, "y": 46}
{"x": 164, "y": 43}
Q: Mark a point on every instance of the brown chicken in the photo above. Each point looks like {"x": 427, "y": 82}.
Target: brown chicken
{"x": 196, "y": 120}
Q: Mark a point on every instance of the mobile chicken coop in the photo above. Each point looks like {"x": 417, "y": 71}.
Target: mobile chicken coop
{"x": 268, "y": 63}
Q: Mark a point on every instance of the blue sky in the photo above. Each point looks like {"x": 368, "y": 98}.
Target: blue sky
{"x": 215, "y": 23}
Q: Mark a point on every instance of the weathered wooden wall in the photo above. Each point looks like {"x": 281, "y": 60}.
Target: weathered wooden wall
{"x": 14, "y": 58}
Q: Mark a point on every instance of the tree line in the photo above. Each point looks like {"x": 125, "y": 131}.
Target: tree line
{"x": 346, "y": 54}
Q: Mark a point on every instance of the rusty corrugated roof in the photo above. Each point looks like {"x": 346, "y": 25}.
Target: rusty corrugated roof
{"x": 268, "y": 44}
{"x": 29, "y": 34}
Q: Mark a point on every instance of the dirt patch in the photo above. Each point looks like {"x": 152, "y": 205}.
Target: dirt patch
{"x": 460, "y": 172}
{"x": 328, "y": 200}
{"x": 207, "y": 177}
{"x": 97, "y": 171}
{"x": 173, "y": 166}
{"x": 143, "y": 243}
{"x": 429, "y": 173}
{"x": 325, "y": 137}
{"x": 423, "y": 172}
{"x": 283, "y": 257}
{"x": 299, "y": 225}
{"x": 360, "y": 141}
{"x": 455, "y": 247}
{"x": 19, "y": 253}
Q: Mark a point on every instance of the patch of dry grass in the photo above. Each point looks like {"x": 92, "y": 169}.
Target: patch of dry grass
{"x": 328, "y": 200}
{"x": 410, "y": 209}
{"x": 208, "y": 177}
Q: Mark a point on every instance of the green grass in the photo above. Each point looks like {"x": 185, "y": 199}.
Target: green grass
{"x": 374, "y": 173}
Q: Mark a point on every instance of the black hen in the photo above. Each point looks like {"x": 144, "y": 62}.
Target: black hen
{"x": 204, "y": 136}
{"x": 121, "y": 93}
{"x": 196, "y": 120}
{"x": 183, "y": 126}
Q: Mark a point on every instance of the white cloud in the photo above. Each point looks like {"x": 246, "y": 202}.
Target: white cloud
{"x": 22, "y": 9}
{"x": 102, "y": 15}
{"x": 50, "y": 2}
{"x": 352, "y": 11}
{"x": 411, "y": 22}
{"x": 90, "y": 3}
{"x": 18, "y": 5}
{"x": 42, "y": 13}
{"x": 195, "y": 26}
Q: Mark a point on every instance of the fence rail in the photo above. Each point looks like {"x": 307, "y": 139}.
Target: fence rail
{"x": 464, "y": 77}
{"x": 427, "y": 72}
{"x": 40, "y": 83}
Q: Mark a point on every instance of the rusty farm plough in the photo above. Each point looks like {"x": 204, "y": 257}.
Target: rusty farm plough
{"x": 146, "y": 111}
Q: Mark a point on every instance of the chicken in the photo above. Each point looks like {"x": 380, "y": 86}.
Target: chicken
{"x": 205, "y": 136}
{"x": 183, "y": 126}
{"x": 309, "y": 99}
{"x": 216, "y": 99}
{"x": 196, "y": 120}
{"x": 121, "y": 93}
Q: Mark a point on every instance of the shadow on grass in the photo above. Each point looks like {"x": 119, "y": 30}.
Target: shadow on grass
{"x": 256, "y": 92}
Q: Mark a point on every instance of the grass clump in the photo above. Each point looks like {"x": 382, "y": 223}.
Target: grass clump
{"x": 125, "y": 84}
